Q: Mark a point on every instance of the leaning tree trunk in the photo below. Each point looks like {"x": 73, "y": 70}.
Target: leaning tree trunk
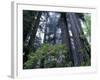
{"x": 28, "y": 20}
{"x": 34, "y": 30}
{"x": 34, "y": 27}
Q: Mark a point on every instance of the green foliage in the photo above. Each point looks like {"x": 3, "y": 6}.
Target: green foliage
{"x": 51, "y": 55}
{"x": 86, "y": 59}
{"x": 87, "y": 24}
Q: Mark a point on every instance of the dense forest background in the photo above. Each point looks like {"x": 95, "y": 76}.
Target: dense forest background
{"x": 56, "y": 39}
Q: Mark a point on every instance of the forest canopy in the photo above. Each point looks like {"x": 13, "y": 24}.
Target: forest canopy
{"x": 56, "y": 39}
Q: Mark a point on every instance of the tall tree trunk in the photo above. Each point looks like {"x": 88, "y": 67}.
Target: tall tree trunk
{"x": 35, "y": 24}
{"x": 34, "y": 30}
{"x": 73, "y": 38}
{"x": 65, "y": 35}
{"x": 79, "y": 44}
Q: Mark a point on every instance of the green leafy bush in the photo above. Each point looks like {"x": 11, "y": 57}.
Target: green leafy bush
{"x": 48, "y": 56}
